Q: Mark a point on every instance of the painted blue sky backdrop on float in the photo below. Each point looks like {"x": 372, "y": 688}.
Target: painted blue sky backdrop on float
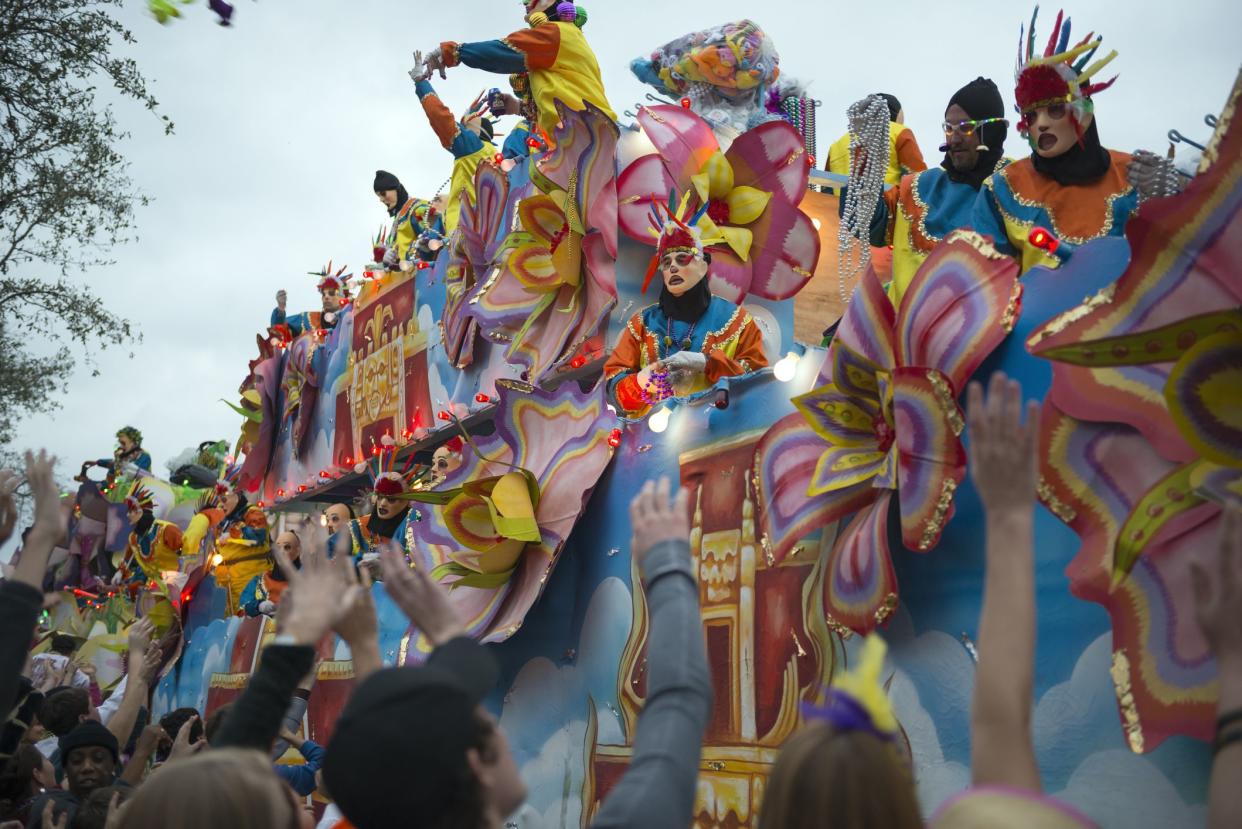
{"x": 282, "y": 120}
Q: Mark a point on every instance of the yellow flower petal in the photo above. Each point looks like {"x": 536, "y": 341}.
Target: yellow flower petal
{"x": 719, "y": 175}
{"x": 746, "y": 204}
{"x": 739, "y": 239}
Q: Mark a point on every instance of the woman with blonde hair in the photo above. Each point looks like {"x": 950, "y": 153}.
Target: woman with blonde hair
{"x": 230, "y": 787}
{"x": 848, "y": 767}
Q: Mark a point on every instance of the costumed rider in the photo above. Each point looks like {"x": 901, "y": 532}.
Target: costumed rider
{"x": 1071, "y": 188}
{"x": 445, "y": 460}
{"x": 153, "y": 552}
{"x": 264, "y": 591}
{"x": 388, "y": 508}
{"x": 914, "y": 216}
{"x": 469, "y": 140}
{"x": 689, "y": 339}
{"x": 553, "y": 53}
{"x": 233, "y": 536}
{"x": 334, "y": 296}
{"x": 128, "y": 452}
{"x": 401, "y": 245}
{"x": 904, "y": 156}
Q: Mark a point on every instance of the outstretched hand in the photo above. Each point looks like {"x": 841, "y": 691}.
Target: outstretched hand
{"x": 418, "y": 72}
{"x": 1003, "y": 451}
{"x": 1218, "y": 594}
{"x": 424, "y": 601}
{"x": 182, "y": 747}
{"x": 655, "y": 519}
{"x": 9, "y": 482}
{"x": 317, "y": 594}
{"x": 49, "y": 519}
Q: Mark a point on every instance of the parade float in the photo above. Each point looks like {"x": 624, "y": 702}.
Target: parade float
{"x": 828, "y": 483}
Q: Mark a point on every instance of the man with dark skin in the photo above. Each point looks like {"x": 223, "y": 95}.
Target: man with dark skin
{"x": 91, "y": 759}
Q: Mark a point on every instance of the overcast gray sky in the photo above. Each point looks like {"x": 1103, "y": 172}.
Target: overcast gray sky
{"x": 282, "y": 120}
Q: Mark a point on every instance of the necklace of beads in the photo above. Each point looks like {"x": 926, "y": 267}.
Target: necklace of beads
{"x": 869, "y": 152}
{"x": 686, "y": 341}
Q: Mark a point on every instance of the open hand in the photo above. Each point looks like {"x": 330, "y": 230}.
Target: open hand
{"x": 281, "y": 298}
{"x": 357, "y": 622}
{"x": 49, "y": 519}
{"x": 425, "y": 602}
{"x": 53, "y": 821}
{"x": 1003, "y": 451}
{"x": 418, "y": 72}
{"x": 8, "y": 505}
{"x": 140, "y": 633}
{"x": 316, "y": 596}
{"x": 655, "y": 519}
{"x": 182, "y": 747}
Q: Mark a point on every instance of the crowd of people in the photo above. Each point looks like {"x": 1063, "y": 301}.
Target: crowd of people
{"x": 417, "y": 746}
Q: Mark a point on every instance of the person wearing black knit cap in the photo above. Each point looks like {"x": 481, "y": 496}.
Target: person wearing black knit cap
{"x": 405, "y": 230}
{"x": 91, "y": 757}
{"x": 914, "y": 216}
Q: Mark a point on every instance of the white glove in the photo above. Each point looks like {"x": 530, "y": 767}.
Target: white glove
{"x": 267, "y": 608}
{"x": 694, "y": 362}
{"x": 116, "y": 577}
{"x": 406, "y": 266}
{"x": 390, "y": 258}
{"x": 329, "y": 317}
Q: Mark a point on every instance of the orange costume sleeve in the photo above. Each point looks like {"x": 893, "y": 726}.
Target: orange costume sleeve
{"x": 627, "y": 359}
{"x": 747, "y": 357}
{"x": 172, "y": 537}
{"x": 442, "y": 121}
{"x": 540, "y": 45}
{"x": 537, "y": 47}
{"x": 908, "y": 154}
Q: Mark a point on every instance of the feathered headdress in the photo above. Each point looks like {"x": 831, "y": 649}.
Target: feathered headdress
{"x": 1061, "y": 74}
{"x": 386, "y": 477}
{"x": 676, "y": 231}
{"x": 479, "y": 108}
{"x": 139, "y": 498}
{"x": 330, "y": 280}
{"x": 856, "y": 700}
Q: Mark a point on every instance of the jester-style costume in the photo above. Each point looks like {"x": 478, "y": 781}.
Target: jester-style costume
{"x": 366, "y": 533}
{"x": 241, "y": 540}
{"x": 468, "y": 148}
{"x": 265, "y": 587}
{"x": 154, "y": 549}
{"x": 694, "y": 321}
{"x": 331, "y": 286}
{"x": 926, "y": 206}
{"x": 553, "y": 52}
{"x": 1079, "y": 195}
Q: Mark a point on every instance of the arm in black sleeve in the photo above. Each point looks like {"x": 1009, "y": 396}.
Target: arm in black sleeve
{"x": 255, "y": 719}
{"x": 20, "y": 605}
{"x": 658, "y": 790}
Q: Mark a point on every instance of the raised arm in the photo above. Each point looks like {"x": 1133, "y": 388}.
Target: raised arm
{"x": 659, "y": 788}
{"x": 1218, "y": 602}
{"x": 1003, "y": 466}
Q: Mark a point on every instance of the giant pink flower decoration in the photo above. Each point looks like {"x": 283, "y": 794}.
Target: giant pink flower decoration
{"x": 752, "y": 192}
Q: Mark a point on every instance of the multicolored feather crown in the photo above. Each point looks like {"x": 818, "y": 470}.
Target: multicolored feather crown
{"x": 139, "y": 498}
{"x": 675, "y": 230}
{"x": 856, "y": 700}
{"x": 1061, "y": 75}
{"x": 387, "y": 478}
{"x": 332, "y": 281}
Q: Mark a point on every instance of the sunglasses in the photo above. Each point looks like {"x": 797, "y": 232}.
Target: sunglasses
{"x": 1055, "y": 111}
{"x": 682, "y": 259}
{"x": 968, "y": 128}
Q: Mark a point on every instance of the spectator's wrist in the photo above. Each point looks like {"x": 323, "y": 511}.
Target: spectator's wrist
{"x": 671, "y": 555}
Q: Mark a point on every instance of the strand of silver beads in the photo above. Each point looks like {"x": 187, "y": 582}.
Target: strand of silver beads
{"x": 869, "y": 151}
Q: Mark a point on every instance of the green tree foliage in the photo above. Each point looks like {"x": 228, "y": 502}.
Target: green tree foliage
{"x": 65, "y": 195}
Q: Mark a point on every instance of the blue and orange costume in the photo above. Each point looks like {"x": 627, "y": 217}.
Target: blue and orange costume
{"x": 553, "y": 53}
{"x": 724, "y": 333}
{"x": 1079, "y": 195}
{"x": 264, "y": 587}
{"x": 243, "y": 544}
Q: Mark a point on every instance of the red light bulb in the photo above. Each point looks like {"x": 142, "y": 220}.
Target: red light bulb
{"x": 614, "y": 438}
{"x": 301, "y": 487}
{"x": 280, "y": 493}
{"x": 685, "y": 103}
{"x": 533, "y": 143}
{"x": 497, "y": 158}
{"x": 443, "y": 415}
{"x": 482, "y": 398}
